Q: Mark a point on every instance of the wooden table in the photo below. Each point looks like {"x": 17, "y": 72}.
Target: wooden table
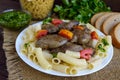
{"x": 14, "y": 4}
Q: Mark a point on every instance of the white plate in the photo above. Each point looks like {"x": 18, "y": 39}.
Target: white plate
{"x": 52, "y": 72}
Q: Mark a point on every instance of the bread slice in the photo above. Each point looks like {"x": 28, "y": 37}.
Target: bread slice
{"x": 115, "y": 34}
{"x": 109, "y": 23}
{"x": 95, "y": 17}
{"x": 101, "y": 19}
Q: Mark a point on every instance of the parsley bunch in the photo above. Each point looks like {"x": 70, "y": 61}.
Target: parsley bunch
{"x": 80, "y": 10}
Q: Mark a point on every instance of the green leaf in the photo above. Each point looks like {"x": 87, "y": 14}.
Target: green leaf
{"x": 54, "y": 55}
{"x": 57, "y": 8}
{"x": 104, "y": 41}
{"x": 81, "y": 10}
{"x": 26, "y": 45}
{"x": 100, "y": 47}
{"x": 47, "y": 20}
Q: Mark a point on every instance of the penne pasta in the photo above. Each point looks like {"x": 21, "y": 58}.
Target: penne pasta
{"x": 61, "y": 68}
{"x": 73, "y": 53}
{"x": 47, "y": 55}
{"x": 30, "y": 36}
{"x": 23, "y": 49}
{"x": 56, "y": 61}
{"x": 70, "y": 60}
{"x": 94, "y": 43}
{"x": 31, "y": 56}
{"x": 94, "y": 63}
{"x": 37, "y": 28}
{"x": 31, "y": 47}
{"x": 89, "y": 26}
{"x": 41, "y": 59}
{"x": 73, "y": 70}
{"x": 35, "y": 60}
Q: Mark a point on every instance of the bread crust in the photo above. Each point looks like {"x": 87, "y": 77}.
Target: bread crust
{"x": 109, "y": 23}
{"x": 95, "y": 17}
{"x": 113, "y": 34}
{"x": 99, "y": 22}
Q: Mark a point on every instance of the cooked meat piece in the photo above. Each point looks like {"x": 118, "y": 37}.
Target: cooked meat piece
{"x": 74, "y": 39}
{"x": 83, "y": 36}
{"x": 50, "y": 27}
{"x": 68, "y": 25}
{"x": 51, "y": 41}
{"x": 67, "y": 46}
{"x": 88, "y": 45}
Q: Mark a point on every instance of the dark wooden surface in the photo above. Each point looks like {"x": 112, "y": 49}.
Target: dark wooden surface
{"x": 14, "y": 4}
{"x": 4, "y": 5}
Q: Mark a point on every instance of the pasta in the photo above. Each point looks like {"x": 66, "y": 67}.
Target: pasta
{"x": 23, "y": 49}
{"x": 41, "y": 59}
{"x": 71, "y": 60}
{"x": 102, "y": 46}
{"x": 38, "y": 8}
{"x": 61, "y": 68}
{"x": 56, "y": 61}
{"x": 47, "y": 55}
{"x": 29, "y": 34}
{"x": 73, "y": 53}
{"x": 73, "y": 70}
{"x": 94, "y": 63}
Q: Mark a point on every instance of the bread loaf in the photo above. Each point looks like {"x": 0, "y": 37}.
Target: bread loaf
{"x": 115, "y": 34}
{"x": 109, "y": 23}
{"x": 102, "y": 18}
{"x": 95, "y": 17}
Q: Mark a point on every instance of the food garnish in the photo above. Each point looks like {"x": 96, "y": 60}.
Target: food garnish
{"x": 41, "y": 33}
{"x": 86, "y": 53}
{"x": 15, "y": 20}
{"x": 94, "y": 35}
{"x": 80, "y": 10}
{"x": 66, "y": 33}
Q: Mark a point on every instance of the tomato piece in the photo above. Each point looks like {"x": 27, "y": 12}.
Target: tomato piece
{"x": 86, "y": 53}
{"x": 56, "y": 21}
{"x": 94, "y": 35}
{"x": 41, "y": 33}
{"x": 66, "y": 33}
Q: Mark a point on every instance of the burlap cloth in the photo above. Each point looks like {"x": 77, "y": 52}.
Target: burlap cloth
{"x": 18, "y": 70}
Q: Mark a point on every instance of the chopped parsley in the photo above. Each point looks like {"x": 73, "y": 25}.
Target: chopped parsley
{"x": 47, "y": 20}
{"x": 104, "y": 41}
{"x": 54, "y": 55}
{"x": 101, "y": 48}
{"x": 26, "y": 45}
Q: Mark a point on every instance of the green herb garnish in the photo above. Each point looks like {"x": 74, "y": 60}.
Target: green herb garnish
{"x": 47, "y": 20}
{"x": 100, "y": 47}
{"x": 26, "y": 45}
{"x": 54, "y": 55}
{"x": 104, "y": 41}
{"x": 80, "y": 10}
